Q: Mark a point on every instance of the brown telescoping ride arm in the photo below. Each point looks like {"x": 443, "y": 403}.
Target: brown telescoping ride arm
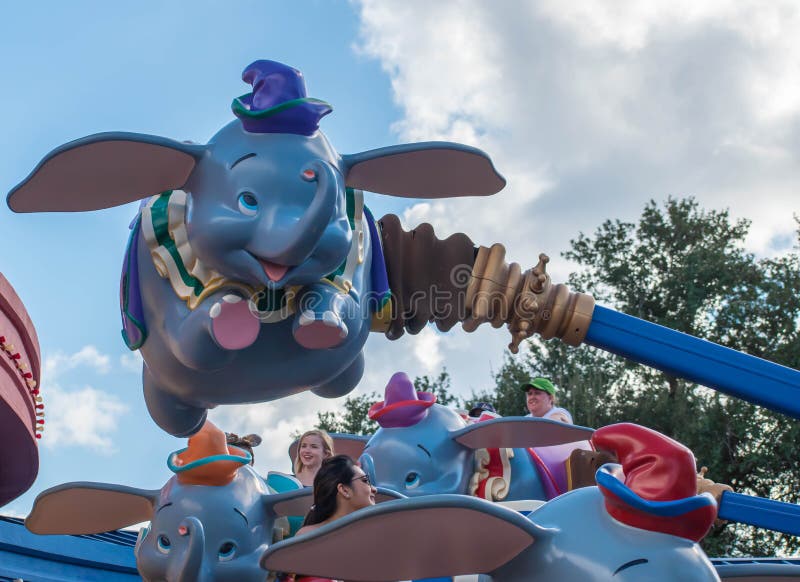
{"x": 451, "y": 280}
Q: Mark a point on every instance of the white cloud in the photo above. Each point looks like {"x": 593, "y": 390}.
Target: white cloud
{"x": 589, "y": 109}
{"x": 88, "y": 356}
{"x": 426, "y": 350}
{"x": 131, "y": 362}
{"x": 86, "y": 417}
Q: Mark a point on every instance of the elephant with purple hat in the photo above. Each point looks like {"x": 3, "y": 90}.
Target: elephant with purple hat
{"x": 423, "y": 448}
{"x": 254, "y": 270}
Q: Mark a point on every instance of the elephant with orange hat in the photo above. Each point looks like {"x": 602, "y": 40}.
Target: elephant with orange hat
{"x": 211, "y": 521}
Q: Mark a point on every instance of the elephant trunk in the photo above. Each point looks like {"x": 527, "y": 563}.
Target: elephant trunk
{"x": 189, "y": 568}
{"x": 305, "y": 235}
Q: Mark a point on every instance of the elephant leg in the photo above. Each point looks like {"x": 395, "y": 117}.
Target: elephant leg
{"x": 344, "y": 382}
{"x": 325, "y": 316}
{"x": 170, "y": 413}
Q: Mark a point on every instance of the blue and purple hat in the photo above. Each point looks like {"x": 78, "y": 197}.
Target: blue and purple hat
{"x": 402, "y": 405}
{"x": 278, "y": 103}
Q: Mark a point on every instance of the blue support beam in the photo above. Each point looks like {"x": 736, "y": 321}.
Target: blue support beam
{"x": 735, "y": 373}
{"x": 760, "y": 512}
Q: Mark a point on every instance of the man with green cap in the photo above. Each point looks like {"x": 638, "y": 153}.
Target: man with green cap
{"x": 541, "y": 401}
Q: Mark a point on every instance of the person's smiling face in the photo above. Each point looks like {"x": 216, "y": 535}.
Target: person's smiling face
{"x": 312, "y": 451}
{"x": 539, "y": 401}
{"x": 363, "y": 491}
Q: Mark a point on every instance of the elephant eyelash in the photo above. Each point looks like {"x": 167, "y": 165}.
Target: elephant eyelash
{"x": 240, "y": 512}
{"x": 626, "y": 565}
{"x": 243, "y": 158}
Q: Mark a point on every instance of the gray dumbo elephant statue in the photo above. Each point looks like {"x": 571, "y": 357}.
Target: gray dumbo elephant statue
{"x": 424, "y": 448}
{"x": 255, "y": 271}
{"x": 209, "y": 522}
{"x": 641, "y": 522}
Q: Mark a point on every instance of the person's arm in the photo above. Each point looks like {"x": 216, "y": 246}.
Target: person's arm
{"x": 560, "y": 417}
{"x": 306, "y": 529}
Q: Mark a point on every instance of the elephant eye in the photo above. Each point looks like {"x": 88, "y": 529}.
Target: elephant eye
{"x": 163, "y": 544}
{"x": 412, "y": 480}
{"x": 248, "y": 205}
{"x": 226, "y": 551}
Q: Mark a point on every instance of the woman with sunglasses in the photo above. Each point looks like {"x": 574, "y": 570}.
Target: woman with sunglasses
{"x": 340, "y": 488}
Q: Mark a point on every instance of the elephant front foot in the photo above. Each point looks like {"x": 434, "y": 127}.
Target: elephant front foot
{"x": 233, "y": 325}
{"x": 319, "y": 331}
{"x": 321, "y": 322}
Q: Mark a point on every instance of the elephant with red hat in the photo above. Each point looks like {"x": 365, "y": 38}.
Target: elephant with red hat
{"x": 641, "y": 522}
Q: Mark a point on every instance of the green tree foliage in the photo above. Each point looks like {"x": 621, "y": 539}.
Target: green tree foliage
{"x": 439, "y": 386}
{"x": 685, "y": 268}
{"x": 352, "y": 419}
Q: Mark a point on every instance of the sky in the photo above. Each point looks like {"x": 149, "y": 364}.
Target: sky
{"x": 588, "y": 109}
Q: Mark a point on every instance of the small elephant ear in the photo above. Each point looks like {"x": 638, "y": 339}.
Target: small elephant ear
{"x": 351, "y": 445}
{"x": 89, "y": 508}
{"x": 105, "y": 170}
{"x": 422, "y": 537}
{"x": 520, "y": 433}
{"x": 424, "y": 170}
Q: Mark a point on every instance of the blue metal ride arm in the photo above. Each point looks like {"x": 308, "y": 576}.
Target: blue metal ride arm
{"x": 760, "y": 512}
{"x": 735, "y": 373}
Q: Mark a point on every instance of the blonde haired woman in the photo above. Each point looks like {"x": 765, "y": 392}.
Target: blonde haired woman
{"x": 314, "y": 447}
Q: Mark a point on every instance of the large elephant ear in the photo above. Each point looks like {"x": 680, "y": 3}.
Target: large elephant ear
{"x": 424, "y": 170}
{"x": 105, "y": 170}
{"x": 89, "y": 508}
{"x": 520, "y": 432}
{"x": 351, "y": 445}
{"x": 408, "y": 539}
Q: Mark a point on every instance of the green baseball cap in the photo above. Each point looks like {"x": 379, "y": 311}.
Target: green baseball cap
{"x": 540, "y": 384}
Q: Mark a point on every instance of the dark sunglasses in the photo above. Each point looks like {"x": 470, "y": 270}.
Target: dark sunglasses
{"x": 363, "y": 479}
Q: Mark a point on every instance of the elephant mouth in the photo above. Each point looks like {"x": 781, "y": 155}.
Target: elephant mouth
{"x": 273, "y": 271}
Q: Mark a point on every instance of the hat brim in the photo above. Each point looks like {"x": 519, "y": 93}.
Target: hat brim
{"x": 526, "y": 387}
{"x": 296, "y": 116}
{"x": 211, "y": 470}
{"x": 688, "y": 518}
{"x": 403, "y": 413}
